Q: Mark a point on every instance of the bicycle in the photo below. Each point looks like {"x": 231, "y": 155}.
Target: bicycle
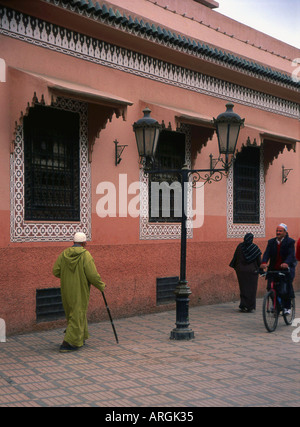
{"x": 272, "y": 302}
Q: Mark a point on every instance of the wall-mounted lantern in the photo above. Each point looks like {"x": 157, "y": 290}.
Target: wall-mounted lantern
{"x": 118, "y": 151}
{"x": 285, "y": 173}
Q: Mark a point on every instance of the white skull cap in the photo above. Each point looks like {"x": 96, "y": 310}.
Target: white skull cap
{"x": 283, "y": 226}
{"x": 79, "y": 237}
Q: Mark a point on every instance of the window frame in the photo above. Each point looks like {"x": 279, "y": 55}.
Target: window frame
{"x": 170, "y": 154}
{"x": 246, "y": 170}
{"x": 164, "y": 230}
{"x": 238, "y": 230}
{"x": 47, "y": 231}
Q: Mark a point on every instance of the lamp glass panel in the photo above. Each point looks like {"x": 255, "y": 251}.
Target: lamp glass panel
{"x": 139, "y": 134}
{"x": 149, "y": 137}
{"x": 156, "y": 136}
{"x": 234, "y": 129}
{"x": 222, "y": 137}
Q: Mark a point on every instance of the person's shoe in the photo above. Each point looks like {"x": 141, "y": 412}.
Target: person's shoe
{"x": 286, "y": 311}
{"x": 66, "y": 348}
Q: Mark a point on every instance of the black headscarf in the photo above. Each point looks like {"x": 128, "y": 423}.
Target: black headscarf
{"x": 250, "y": 250}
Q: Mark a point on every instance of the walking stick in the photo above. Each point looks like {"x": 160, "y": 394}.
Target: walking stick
{"x": 111, "y": 321}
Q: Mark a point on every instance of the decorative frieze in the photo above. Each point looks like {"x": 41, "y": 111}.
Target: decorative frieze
{"x": 50, "y": 36}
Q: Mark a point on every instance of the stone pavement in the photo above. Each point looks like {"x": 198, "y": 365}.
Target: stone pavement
{"x": 232, "y": 362}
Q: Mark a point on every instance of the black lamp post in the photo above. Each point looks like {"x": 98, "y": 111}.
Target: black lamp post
{"x": 147, "y": 130}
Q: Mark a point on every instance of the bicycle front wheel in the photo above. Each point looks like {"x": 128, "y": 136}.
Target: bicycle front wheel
{"x": 270, "y": 311}
{"x": 289, "y": 317}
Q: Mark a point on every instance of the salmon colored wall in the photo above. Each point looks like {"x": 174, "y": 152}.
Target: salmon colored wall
{"x": 130, "y": 273}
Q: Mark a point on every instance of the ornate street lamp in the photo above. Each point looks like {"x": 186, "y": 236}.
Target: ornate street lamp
{"x": 228, "y": 126}
{"x": 147, "y": 130}
{"x": 146, "y": 133}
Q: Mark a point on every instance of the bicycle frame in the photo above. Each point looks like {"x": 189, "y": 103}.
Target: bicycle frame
{"x": 276, "y": 272}
{"x": 272, "y": 304}
{"x": 273, "y": 288}
{"x": 274, "y": 282}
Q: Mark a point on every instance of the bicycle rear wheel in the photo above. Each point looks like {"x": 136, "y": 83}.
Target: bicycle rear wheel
{"x": 270, "y": 314}
{"x": 288, "y": 318}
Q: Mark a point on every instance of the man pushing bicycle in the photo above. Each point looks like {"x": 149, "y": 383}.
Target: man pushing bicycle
{"x": 280, "y": 253}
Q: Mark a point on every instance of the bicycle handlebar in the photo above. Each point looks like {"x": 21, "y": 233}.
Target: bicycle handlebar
{"x": 279, "y": 273}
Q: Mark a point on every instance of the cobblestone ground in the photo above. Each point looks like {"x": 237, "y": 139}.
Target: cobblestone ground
{"x": 232, "y": 362}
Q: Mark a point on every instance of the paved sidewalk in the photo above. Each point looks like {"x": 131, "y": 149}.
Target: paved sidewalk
{"x": 233, "y": 361}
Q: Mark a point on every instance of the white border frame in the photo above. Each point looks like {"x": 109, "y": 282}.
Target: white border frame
{"x": 239, "y": 230}
{"x": 40, "y": 231}
{"x": 159, "y": 230}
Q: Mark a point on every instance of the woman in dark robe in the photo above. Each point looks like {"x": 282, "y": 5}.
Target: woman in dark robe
{"x": 246, "y": 261}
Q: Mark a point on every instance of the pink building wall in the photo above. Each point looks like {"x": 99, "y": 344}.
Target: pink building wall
{"x": 128, "y": 264}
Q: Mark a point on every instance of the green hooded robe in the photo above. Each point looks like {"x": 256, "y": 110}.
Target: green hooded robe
{"x": 76, "y": 269}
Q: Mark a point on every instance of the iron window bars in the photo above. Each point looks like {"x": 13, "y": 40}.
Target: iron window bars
{"x": 51, "y": 158}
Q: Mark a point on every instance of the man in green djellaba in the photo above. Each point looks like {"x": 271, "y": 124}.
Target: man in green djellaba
{"x": 76, "y": 269}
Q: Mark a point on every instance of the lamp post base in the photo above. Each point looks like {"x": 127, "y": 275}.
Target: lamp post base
{"x": 182, "y": 334}
{"x": 182, "y": 330}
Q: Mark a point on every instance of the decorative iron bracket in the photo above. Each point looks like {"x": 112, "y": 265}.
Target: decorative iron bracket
{"x": 285, "y": 173}
{"x": 213, "y": 174}
{"x": 118, "y": 151}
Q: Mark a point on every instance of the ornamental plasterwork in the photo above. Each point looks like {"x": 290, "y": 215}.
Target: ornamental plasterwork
{"x": 28, "y": 231}
{"x": 41, "y": 33}
{"x": 144, "y": 30}
{"x": 239, "y": 230}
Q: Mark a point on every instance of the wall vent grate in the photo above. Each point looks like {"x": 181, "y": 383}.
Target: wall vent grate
{"x": 165, "y": 287}
{"x": 49, "y": 305}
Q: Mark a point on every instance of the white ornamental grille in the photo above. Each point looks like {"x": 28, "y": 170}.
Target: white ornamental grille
{"x": 28, "y": 231}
